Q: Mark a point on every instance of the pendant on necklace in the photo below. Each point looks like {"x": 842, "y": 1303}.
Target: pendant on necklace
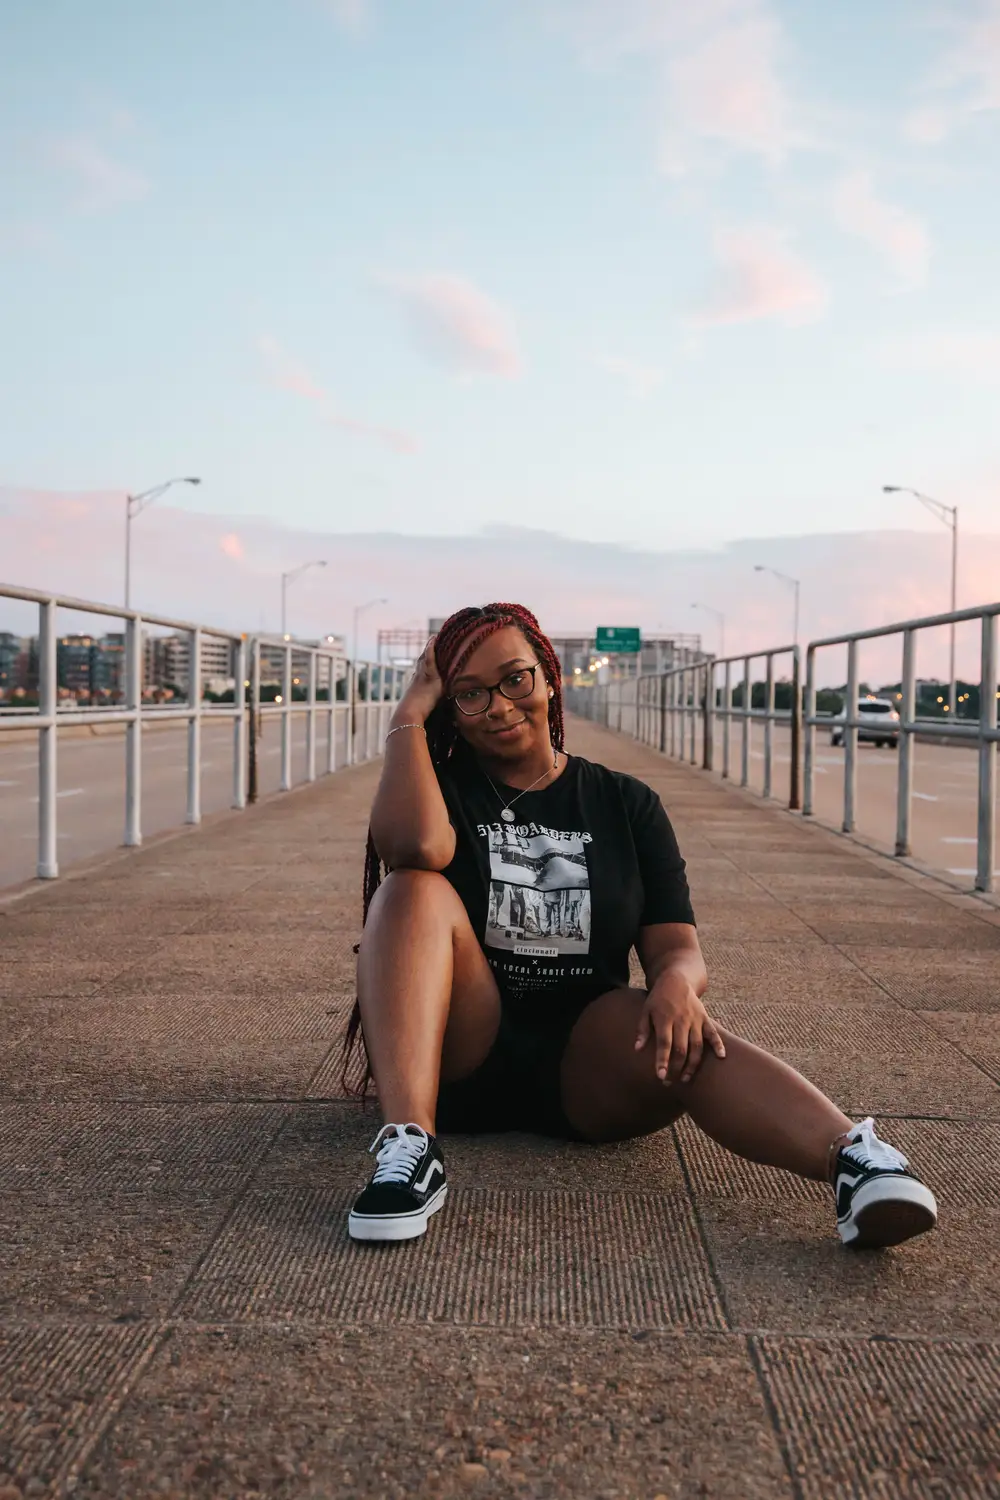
{"x": 507, "y": 815}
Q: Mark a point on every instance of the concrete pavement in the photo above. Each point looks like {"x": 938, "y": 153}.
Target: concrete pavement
{"x": 184, "y": 1315}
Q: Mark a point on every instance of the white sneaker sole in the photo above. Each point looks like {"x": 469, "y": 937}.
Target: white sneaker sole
{"x": 395, "y": 1226}
{"x": 887, "y": 1211}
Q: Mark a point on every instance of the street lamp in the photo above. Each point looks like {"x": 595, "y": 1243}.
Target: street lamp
{"x": 359, "y": 610}
{"x": 949, "y": 515}
{"x": 286, "y": 579}
{"x": 796, "y": 585}
{"x": 134, "y": 506}
{"x": 710, "y": 609}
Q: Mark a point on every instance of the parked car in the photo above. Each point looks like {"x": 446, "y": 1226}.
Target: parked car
{"x": 878, "y": 722}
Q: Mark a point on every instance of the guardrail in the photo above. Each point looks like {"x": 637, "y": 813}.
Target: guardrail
{"x": 982, "y": 731}
{"x": 363, "y": 717}
{"x": 676, "y": 712}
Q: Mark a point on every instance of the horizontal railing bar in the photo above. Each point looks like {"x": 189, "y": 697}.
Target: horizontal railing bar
{"x": 87, "y": 606}
{"x": 926, "y": 622}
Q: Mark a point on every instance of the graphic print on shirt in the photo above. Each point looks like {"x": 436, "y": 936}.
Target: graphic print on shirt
{"x": 539, "y": 902}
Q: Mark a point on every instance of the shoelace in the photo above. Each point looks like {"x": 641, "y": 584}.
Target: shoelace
{"x": 399, "y": 1153}
{"x": 868, "y": 1151}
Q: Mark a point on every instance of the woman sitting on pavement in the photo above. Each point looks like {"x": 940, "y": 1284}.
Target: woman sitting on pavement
{"x": 493, "y": 971}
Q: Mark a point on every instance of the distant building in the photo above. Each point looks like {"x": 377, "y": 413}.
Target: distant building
{"x": 11, "y": 647}
{"x": 658, "y": 654}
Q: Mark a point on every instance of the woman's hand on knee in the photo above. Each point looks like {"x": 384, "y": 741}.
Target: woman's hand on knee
{"x": 676, "y": 1022}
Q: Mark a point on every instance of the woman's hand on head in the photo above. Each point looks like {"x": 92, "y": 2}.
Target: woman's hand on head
{"x": 676, "y": 1022}
{"x": 424, "y": 691}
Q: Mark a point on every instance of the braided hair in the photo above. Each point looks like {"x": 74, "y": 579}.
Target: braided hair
{"x": 460, "y": 635}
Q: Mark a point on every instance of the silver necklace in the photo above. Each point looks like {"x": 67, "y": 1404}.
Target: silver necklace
{"x": 505, "y": 811}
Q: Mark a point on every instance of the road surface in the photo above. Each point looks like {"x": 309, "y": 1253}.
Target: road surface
{"x": 91, "y": 790}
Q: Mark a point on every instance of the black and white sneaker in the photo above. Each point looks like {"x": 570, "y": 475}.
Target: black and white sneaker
{"x": 879, "y": 1202}
{"x": 406, "y": 1187}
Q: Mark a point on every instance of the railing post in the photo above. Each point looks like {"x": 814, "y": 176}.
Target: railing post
{"x": 768, "y": 723}
{"x": 987, "y": 809}
{"x": 662, "y": 695}
{"x": 311, "y": 720}
{"x": 809, "y": 736}
{"x": 794, "y": 783}
{"x": 727, "y": 709}
{"x": 708, "y": 718}
{"x": 692, "y": 713}
{"x": 907, "y": 745}
{"x": 256, "y": 723}
{"x": 851, "y": 740}
{"x": 194, "y": 728}
{"x": 48, "y": 741}
{"x": 133, "y": 733}
{"x": 747, "y": 694}
{"x": 240, "y": 723}
{"x": 331, "y": 718}
{"x": 286, "y": 720}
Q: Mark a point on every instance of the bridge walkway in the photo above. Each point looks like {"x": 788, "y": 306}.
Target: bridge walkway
{"x": 183, "y": 1314}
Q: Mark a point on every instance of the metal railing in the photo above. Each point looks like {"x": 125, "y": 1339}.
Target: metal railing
{"x": 363, "y": 717}
{"x": 676, "y": 712}
{"x": 983, "y": 732}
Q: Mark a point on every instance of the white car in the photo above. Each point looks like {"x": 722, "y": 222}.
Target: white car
{"x": 878, "y": 722}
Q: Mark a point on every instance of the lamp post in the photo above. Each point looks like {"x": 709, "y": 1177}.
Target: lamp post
{"x": 359, "y": 610}
{"x": 286, "y": 579}
{"x": 796, "y": 585}
{"x": 949, "y": 515}
{"x": 710, "y": 609}
{"x": 134, "y": 506}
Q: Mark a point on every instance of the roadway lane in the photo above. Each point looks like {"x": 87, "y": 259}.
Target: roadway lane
{"x": 91, "y": 777}
{"x": 943, "y": 829}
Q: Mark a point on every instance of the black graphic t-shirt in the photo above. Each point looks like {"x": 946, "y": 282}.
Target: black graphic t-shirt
{"x": 557, "y": 898}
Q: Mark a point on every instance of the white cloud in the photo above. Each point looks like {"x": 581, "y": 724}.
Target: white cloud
{"x": 761, "y": 278}
{"x": 898, "y": 236}
{"x": 102, "y": 182}
{"x": 718, "y": 66}
{"x": 948, "y": 352}
{"x": 639, "y": 379}
{"x": 288, "y": 374}
{"x": 456, "y": 323}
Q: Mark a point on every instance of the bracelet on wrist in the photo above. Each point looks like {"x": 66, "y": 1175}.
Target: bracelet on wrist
{"x": 406, "y": 726}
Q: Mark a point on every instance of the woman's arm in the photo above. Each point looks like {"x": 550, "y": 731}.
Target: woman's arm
{"x": 409, "y": 819}
{"x": 673, "y": 1016}
{"x": 674, "y": 947}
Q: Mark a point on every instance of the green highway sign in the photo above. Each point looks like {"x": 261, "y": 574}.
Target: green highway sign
{"x": 618, "y": 638}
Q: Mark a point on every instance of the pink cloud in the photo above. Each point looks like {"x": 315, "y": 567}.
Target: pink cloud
{"x": 966, "y": 80}
{"x": 102, "y": 181}
{"x": 639, "y": 379}
{"x": 289, "y": 375}
{"x": 231, "y": 545}
{"x": 761, "y": 278}
{"x": 457, "y": 324}
{"x": 899, "y": 236}
{"x": 717, "y": 66}
{"x": 348, "y": 14}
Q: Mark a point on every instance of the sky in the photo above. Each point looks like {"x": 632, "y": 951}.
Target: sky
{"x": 636, "y": 272}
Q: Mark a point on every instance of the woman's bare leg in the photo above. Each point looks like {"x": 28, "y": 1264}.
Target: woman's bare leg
{"x": 429, "y": 1003}
{"x": 751, "y": 1103}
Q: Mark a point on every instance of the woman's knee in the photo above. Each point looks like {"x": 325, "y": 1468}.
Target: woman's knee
{"x": 425, "y": 888}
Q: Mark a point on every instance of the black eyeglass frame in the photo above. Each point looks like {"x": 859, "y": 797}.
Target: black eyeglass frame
{"x": 497, "y": 687}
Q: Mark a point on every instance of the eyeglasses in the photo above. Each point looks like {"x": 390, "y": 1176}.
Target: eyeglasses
{"x": 476, "y": 700}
